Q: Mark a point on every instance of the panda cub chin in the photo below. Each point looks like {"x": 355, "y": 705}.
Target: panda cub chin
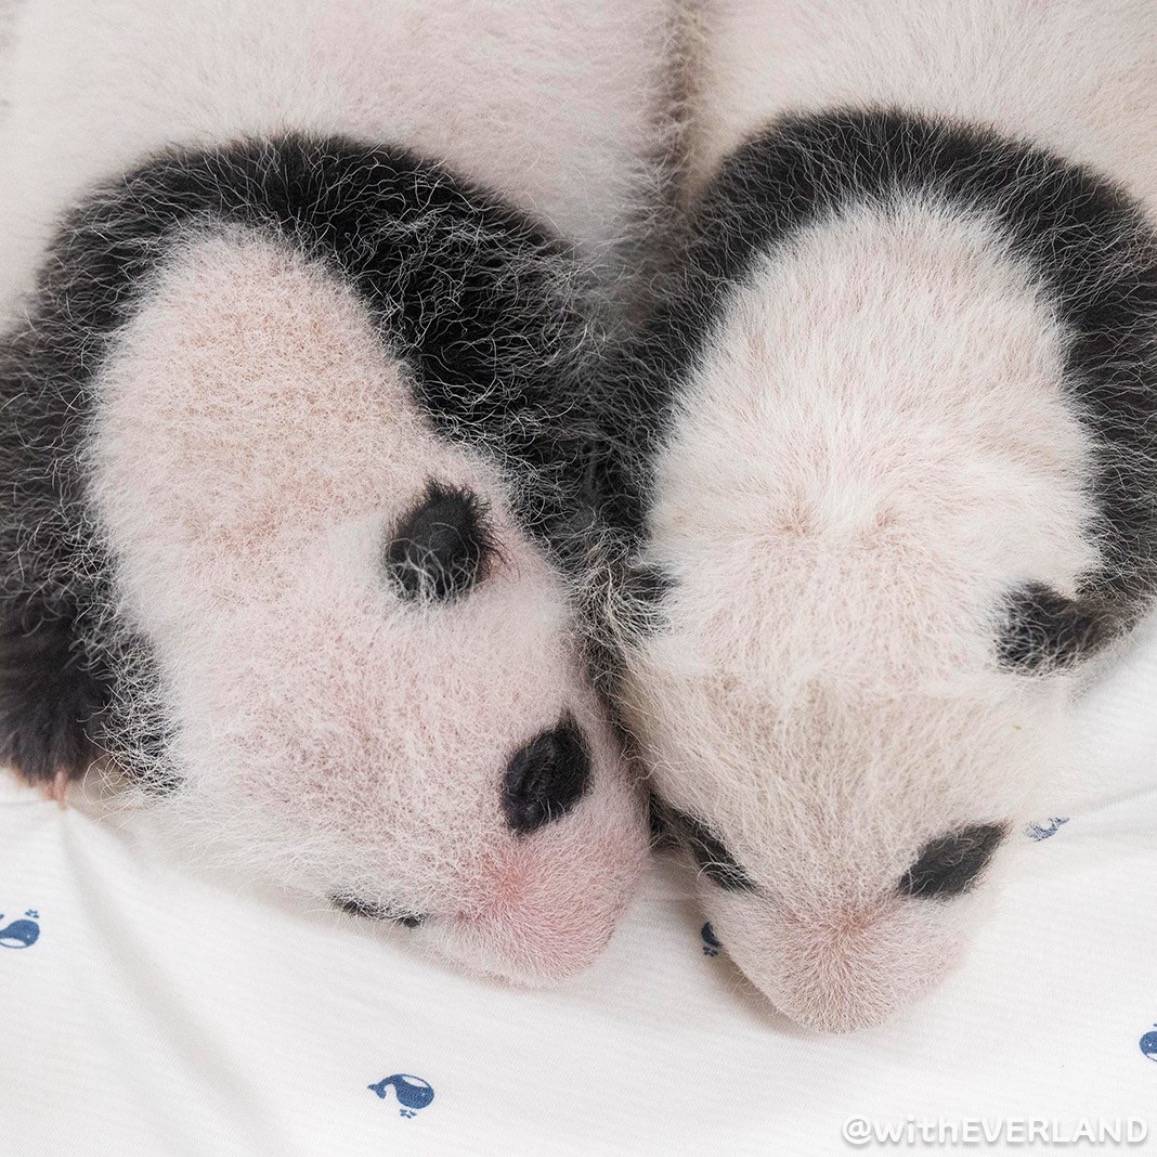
{"x": 892, "y": 483}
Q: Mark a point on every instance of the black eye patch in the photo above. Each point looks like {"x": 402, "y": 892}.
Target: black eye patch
{"x": 710, "y": 853}
{"x": 949, "y": 865}
{"x": 1043, "y": 630}
{"x": 546, "y": 778}
{"x": 368, "y": 910}
{"x": 442, "y": 547}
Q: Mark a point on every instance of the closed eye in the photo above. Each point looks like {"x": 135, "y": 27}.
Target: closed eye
{"x": 711, "y": 854}
{"x": 950, "y": 864}
{"x": 368, "y": 910}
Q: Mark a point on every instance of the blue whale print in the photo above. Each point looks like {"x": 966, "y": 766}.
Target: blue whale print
{"x": 21, "y": 933}
{"x": 1043, "y": 831}
{"x": 413, "y": 1093}
{"x": 1149, "y": 1044}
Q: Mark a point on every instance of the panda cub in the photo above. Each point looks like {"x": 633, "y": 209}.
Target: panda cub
{"x": 891, "y": 478}
{"x": 290, "y": 405}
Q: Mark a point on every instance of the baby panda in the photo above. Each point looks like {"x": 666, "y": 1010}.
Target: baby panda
{"x": 288, "y": 418}
{"x": 890, "y": 479}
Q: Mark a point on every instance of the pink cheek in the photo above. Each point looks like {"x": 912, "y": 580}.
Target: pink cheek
{"x": 518, "y": 884}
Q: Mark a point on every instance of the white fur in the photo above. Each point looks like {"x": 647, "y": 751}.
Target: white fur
{"x": 559, "y": 106}
{"x": 874, "y": 448}
{"x": 1077, "y": 76}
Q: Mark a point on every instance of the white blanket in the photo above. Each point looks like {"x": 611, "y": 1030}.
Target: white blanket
{"x": 146, "y": 1009}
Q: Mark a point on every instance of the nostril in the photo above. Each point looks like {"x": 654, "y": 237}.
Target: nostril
{"x": 368, "y": 910}
{"x": 546, "y": 778}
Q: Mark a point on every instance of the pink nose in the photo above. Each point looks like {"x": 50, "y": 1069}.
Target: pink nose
{"x": 541, "y": 915}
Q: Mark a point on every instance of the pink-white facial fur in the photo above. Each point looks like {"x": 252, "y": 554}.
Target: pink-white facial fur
{"x": 254, "y": 449}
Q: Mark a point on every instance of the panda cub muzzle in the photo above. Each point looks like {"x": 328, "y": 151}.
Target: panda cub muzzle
{"x": 542, "y": 783}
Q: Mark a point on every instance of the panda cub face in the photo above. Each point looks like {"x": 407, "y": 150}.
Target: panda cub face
{"x": 841, "y": 854}
{"x": 370, "y": 677}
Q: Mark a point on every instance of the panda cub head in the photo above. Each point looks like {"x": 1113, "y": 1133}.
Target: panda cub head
{"x": 875, "y": 534}
{"x": 325, "y": 615}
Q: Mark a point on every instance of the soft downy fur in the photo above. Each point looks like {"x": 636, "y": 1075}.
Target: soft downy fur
{"x": 563, "y": 107}
{"x": 247, "y": 372}
{"x": 891, "y": 478}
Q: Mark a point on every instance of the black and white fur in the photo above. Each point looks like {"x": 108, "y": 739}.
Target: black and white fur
{"x": 290, "y": 409}
{"x": 891, "y": 477}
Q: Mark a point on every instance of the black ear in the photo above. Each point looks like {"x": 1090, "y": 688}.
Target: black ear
{"x": 1044, "y": 630}
{"x": 48, "y": 696}
{"x": 949, "y": 865}
{"x": 442, "y": 547}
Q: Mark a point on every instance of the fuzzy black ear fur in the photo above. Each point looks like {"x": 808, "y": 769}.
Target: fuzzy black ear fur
{"x": 443, "y": 547}
{"x": 1045, "y": 631}
{"x": 48, "y": 696}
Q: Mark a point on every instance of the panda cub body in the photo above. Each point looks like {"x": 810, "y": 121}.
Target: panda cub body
{"x": 895, "y": 480}
{"x": 286, "y": 455}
